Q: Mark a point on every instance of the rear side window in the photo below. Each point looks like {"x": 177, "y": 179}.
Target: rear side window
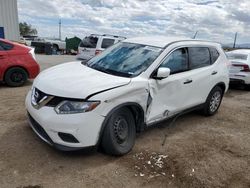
{"x": 198, "y": 57}
{"x": 6, "y": 46}
{"x": 107, "y": 43}
{"x": 89, "y": 42}
{"x": 177, "y": 61}
{"x": 214, "y": 54}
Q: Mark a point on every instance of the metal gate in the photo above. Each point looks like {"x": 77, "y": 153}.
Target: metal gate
{"x": 1, "y": 32}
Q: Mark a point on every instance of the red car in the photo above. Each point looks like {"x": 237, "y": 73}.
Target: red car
{"x": 17, "y": 63}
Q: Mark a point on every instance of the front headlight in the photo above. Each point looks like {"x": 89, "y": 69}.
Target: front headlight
{"x": 72, "y": 107}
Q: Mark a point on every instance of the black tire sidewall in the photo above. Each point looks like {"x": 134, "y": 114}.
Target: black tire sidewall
{"x": 207, "y": 110}
{"x": 7, "y": 77}
{"x": 247, "y": 87}
{"x": 109, "y": 142}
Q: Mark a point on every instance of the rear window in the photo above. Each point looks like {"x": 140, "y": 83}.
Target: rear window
{"x": 107, "y": 43}
{"x": 89, "y": 42}
{"x": 199, "y": 57}
{"x": 237, "y": 56}
{"x": 214, "y": 54}
{"x": 6, "y": 46}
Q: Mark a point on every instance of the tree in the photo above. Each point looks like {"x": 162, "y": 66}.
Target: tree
{"x": 26, "y": 29}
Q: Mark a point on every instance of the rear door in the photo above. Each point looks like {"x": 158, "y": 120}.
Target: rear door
{"x": 202, "y": 74}
{"x": 87, "y": 47}
{"x": 170, "y": 95}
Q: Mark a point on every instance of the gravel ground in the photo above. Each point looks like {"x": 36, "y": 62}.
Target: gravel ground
{"x": 198, "y": 151}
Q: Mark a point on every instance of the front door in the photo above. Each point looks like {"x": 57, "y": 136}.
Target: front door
{"x": 170, "y": 95}
{"x": 3, "y": 61}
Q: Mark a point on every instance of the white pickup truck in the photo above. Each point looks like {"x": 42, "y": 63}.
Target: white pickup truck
{"x": 58, "y": 45}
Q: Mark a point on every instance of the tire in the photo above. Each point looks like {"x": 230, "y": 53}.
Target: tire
{"x": 119, "y": 133}
{"x": 213, "y": 101}
{"x": 15, "y": 77}
{"x": 55, "y": 48}
{"x": 247, "y": 87}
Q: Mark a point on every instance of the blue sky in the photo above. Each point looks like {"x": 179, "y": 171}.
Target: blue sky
{"x": 216, "y": 20}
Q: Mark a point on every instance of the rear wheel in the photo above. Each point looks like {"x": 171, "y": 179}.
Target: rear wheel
{"x": 247, "y": 87}
{"x": 213, "y": 101}
{"x": 15, "y": 77}
{"x": 55, "y": 48}
{"x": 119, "y": 133}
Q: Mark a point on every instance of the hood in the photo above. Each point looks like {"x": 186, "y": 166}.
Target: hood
{"x": 74, "y": 80}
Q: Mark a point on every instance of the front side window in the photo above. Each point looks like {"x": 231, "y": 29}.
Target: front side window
{"x": 107, "y": 43}
{"x": 198, "y": 57}
{"x": 89, "y": 42}
{"x": 177, "y": 61}
{"x": 125, "y": 59}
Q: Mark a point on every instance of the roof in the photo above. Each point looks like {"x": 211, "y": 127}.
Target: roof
{"x": 160, "y": 41}
{"x": 241, "y": 51}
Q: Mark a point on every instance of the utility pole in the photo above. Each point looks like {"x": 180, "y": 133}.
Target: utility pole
{"x": 60, "y": 24}
{"x": 235, "y": 39}
{"x": 195, "y": 34}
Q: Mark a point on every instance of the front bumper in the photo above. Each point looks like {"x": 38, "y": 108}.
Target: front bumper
{"x": 48, "y": 125}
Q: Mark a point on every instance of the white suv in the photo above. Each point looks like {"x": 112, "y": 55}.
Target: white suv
{"x": 95, "y": 44}
{"x": 128, "y": 87}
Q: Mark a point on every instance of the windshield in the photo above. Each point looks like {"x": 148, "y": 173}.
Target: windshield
{"x": 125, "y": 59}
{"x": 237, "y": 56}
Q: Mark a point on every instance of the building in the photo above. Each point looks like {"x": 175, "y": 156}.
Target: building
{"x": 9, "y": 25}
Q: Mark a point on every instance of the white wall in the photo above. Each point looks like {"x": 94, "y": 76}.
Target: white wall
{"x": 9, "y": 19}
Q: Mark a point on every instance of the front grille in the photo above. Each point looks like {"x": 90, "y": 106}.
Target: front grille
{"x": 55, "y": 101}
{"x": 38, "y": 95}
{"x": 39, "y": 129}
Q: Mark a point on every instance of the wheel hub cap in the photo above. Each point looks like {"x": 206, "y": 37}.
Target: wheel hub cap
{"x": 215, "y": 101}
{"x": 121, "y": 129}
{"x": 16, "y": 77}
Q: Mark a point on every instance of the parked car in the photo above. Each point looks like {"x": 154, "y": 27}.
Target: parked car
{"x": 130, "y": 86}
{"x": 17, "y": 63}
{"x": 95, "y": 44}
{"x": 239, "y": 71}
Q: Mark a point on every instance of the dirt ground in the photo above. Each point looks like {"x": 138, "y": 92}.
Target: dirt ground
{"x": 198, "y": 151}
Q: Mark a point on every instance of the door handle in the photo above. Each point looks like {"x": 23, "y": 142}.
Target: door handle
{"x": 214, "y": 73}
{"x": 188, "y": 81}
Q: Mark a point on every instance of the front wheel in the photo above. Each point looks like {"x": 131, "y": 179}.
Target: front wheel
{"x": 213, "y": 101}
{"x": 119, "y": 133}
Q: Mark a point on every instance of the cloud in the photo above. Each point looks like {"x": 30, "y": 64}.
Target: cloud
{"x": 213, "y": 19}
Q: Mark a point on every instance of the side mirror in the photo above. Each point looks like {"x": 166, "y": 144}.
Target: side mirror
{"x": 162, "y": 73}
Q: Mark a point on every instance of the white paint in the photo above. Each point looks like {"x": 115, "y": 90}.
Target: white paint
{"x": 74, "y": 80}
{"x": 235, "y": 72}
